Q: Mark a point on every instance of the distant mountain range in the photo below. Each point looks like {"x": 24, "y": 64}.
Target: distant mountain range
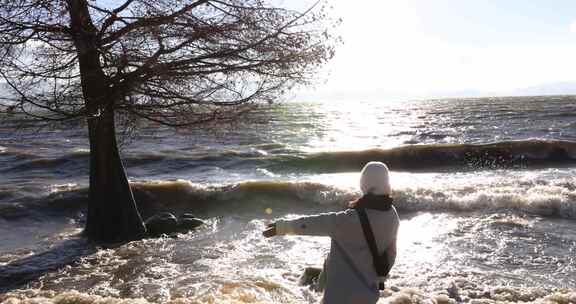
{"x": 556, "y": 88}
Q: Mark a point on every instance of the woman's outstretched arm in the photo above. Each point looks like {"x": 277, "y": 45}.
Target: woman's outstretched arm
{"x": 324, "y": 224}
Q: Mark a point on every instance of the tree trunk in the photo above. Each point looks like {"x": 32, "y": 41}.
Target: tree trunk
{"x": 112, "y": 212}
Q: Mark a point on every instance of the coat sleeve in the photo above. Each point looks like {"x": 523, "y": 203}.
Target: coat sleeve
{"x": 324, "y": 224}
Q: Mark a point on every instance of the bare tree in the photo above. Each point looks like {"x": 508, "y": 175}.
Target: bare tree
{"x": 173, "y": 62}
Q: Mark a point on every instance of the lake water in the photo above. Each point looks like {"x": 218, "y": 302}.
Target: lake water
{"x": 485, "y": 188}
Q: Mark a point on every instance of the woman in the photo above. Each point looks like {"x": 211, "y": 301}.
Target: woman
{"x": 351, "y": 276}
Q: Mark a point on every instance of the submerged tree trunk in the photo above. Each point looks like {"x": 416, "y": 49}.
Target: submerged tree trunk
{"x": 112, "y": 212}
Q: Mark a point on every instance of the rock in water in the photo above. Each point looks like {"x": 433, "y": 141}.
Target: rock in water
{"x": 167, "y": 223}
{"x": 188, "y": 221}
{"x": 162, "y": 223}
{"x": 310, "y": 276}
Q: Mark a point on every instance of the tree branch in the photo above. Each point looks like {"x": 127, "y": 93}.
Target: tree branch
{"x": 149, "y": 22}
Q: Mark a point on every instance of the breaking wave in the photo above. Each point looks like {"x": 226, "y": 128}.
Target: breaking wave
{"x": 412, "y": 158}
{"x": 429, "y": 157}
{"x": 549, "y": 199}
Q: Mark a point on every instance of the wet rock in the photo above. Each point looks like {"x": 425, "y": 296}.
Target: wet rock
{"x": 167, "y": 223}
{"x": 309, "y": 276}
{"x": 189, "y": 223}
{"x": 162, "y": 223}
{"x": 187, "y": 215}
{"x": 454, "y": 292}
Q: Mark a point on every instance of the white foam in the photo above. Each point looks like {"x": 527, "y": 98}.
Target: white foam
{"x": 544, "y": 200}
{"x": 474, "y": 295}
{"x": 548, "y": 192}
{"x": 57, "y": 188}
{"x": 232, "y": 263}
{"x": 80, "y": 151}
{"x": 260, "y": 291}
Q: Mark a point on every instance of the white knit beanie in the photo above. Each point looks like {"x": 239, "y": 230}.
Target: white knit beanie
{"x": 374, "y": 179}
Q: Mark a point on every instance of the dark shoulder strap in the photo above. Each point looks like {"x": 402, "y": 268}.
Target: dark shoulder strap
{"x": 382, "y": 267}
{"x": 368, "y": 234}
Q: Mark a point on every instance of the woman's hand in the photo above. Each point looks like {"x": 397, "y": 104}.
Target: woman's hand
{"x": 352, "y": 204}
{"x": 270, "y": 230}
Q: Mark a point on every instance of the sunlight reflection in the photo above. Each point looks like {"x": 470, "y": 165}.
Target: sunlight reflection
{"x": 358, "y": 125}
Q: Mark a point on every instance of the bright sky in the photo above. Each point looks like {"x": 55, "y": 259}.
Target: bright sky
{"x": 417, "y": 48}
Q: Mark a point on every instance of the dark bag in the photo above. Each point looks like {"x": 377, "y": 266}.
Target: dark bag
{"x": 381, "y": 264}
